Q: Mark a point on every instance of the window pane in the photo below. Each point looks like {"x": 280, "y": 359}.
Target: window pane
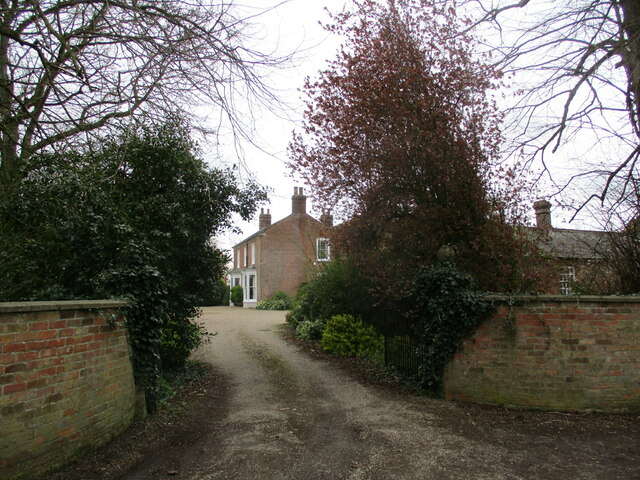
{"x": 322, "y": 249}
{"x": 252, "y": 281}
{"x": 567, "y": 277}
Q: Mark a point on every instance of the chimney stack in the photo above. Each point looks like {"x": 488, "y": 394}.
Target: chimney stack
{"x": 298, "y": 201}
{"x": 543, "y": 214}
{"x": 326, "y": 219}
{"x": 264, "y": 220}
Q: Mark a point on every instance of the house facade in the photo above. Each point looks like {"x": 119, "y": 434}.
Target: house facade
{"x": 577, "y": 254}
{"x": 279, "y": 255}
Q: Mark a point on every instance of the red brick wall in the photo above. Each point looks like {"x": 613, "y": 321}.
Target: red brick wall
{"x": 66, "y": 382}
{"x": 286, "y": 253}
{"x": 553, "y": 353}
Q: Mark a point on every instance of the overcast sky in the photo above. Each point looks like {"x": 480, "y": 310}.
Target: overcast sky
{"x": 293, "y": 26}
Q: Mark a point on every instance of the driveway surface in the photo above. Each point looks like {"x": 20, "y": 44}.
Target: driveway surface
{"x": 276, "y": 412}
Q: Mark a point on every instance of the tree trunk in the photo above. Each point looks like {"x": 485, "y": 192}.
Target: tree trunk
{"x": 9, "y": 131}
{"x": 631, "y": 27}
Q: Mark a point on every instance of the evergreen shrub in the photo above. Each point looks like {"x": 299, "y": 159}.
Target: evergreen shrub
{"x": 446, "y": 308}
{"x": 310, "y": 329}
{"x": 350, "y": 336}
{"x": 236, "y": 295}
{"x": 279, "y": 301}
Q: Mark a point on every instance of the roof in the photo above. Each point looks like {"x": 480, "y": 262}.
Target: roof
{"x": 260, "y": 232}
{"x": 576, "y": 244}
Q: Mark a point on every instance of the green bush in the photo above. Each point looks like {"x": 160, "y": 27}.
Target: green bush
{"x": 226, "y": 298}
{"x": 130, "y": 218}
{"x": 215, "y": 294}
{"x": 349, "y": 336}
{"x": 310, "y": 330}
{"x": 446, "y": 309}
{"x": 177, "y": 340}
{"x": 283, "y": 297}
{"x": 336, "y": 289}
{"x": 279, "y": 301}
{"x": 294, "y": 317}
{"x": 236, "y": 295}
{"x": 328, "y": 293}
{"x": 271, "y": 305}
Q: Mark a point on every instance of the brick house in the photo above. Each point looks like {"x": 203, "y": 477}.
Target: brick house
{"x": 279, "y": 255}
{"x": 577, "y": 254}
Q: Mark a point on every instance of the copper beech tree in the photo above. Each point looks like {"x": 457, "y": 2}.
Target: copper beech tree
{"x": 400, "y": 137}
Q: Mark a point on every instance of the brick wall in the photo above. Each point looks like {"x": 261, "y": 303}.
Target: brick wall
{"x": 66, "y": 382}
{"x": 286, "y": 253}
{"x": 553, "y": 353}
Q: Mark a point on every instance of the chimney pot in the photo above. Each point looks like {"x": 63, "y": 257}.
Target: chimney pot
{"x": 264, "y": 220}
{"x": 298, "y": 201}
{"x": 543, "y": 214}
{"x": 326, "y": 219}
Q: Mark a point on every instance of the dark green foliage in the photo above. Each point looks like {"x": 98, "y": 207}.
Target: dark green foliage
{"x": 334, "y": 290}
{"x": 445, "y": 309}
{"x": 236, "y": 295}
{"x": 283, "y": 297}
{"x": 217, "y": 295}
{"x": 310, "y": 329}
{"x": 226, "y": 298}
{"x": 349, "y": 336}
{"x": 294, "y": 317}
{"x": 177, "y": 340}
{"x": 279, "y": 301}
{"x": 132, "y": 219}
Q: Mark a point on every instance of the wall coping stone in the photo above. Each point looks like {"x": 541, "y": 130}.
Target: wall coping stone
{"x": 11, "y": 307}
{"x": 564, "y": 298}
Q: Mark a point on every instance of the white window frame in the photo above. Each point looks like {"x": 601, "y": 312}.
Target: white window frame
{"x": 249, "y": 287}
{"x": 253, "y": 253}
{"x": 567, "y": 277}
{"x": 252, "y": 286}
{"x": 325, "y": 248}
{"x": 246, "y": 256}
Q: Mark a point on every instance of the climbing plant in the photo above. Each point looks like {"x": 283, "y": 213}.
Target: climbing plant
{"x": 445, "y": 307}
{"x": 131, "y": 218}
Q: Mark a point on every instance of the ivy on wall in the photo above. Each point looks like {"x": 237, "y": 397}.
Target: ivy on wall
{"x": 446, "y": 308}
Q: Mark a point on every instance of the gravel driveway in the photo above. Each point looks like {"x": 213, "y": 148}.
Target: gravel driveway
{"x": 276, "y": 412}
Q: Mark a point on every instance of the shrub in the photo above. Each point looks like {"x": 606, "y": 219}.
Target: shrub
{"x": 349, "y": 336}
{"x": 336, "y": 289}
{"x": 446, "y": 308}
{"x": 271, "y": 305}
{"x": 294, "y": 317}
{"x": 236, "y": 295}
{"x": 226, "y": 298}
{"x": 215, "y": 295}
{"x": 310, "y": 330}
{"x": 279, "y": 301}
{"x": 129, "y": 219}
{"x": 177, "y": 340}
{"x": 283, "y": 297}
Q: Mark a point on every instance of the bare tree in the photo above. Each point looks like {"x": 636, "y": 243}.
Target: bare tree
{"x": 580, "y": 63}
{"x": 69, "y": 68}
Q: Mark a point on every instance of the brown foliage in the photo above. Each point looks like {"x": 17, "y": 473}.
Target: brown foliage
{"x": 399, "y": 135}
